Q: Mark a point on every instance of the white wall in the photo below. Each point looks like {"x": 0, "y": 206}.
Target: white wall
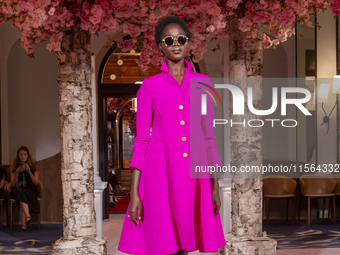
{"x": 33, "y": 115}
{"x": 326, "y": 68}
{"x": 304, "y": 42}
{"x": 33, "y": 84}
{"x": 29, "y": 98}
{"x": 8, "y": 36}
{"x": 215, "y": 69}
{"x": 278, "y": 142}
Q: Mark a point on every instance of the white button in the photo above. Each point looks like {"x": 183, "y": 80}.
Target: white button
{"x": 183, "y": 138}
{"x": 180, "y": 107}
{"x": 185, "y": 154}
{"x": 182, "y": 122}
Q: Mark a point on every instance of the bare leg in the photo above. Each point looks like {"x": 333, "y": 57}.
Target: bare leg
{"x": 121, "y": 188}
{"x": 22, "y": 216}
{"x": 24, "y": 207}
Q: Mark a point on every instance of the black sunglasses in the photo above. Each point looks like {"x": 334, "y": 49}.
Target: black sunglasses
{"x": 169, "y": 40}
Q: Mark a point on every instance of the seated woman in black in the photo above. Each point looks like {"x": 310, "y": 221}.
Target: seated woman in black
{"x": 24, "y": 177}
{"x": 114, "y": 182}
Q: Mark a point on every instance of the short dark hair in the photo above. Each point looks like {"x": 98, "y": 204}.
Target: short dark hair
{"x": 169, "y": 20}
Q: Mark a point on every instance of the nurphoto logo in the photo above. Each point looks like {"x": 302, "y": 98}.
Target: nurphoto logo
{"x": 239, "y": 102}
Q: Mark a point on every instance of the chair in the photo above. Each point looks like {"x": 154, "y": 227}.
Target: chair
{"x": 3, "y": 199}
{"x": 2, "y": 203}
{"x": 11, "y": 202}
{"x": 336, "y": 177}
{"x": 278, "y": 187}
{"x": 317, "y": 186}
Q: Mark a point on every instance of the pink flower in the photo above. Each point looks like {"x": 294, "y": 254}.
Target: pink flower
{"x": 266, "y": 41}
{"x": 27, "y": 6}
{"x": 310, "y": 24}
{"x": 291, "y": 32}
{"x": 276, "y": 41}
{"x": 93, "y": 29}
{"x": 262, "y": 5}
{"x": 109, "y": 24}
{"x": 244, "y": 24}
{"x": 211, "y": 28}
{"x": 41, "y": 3}
{"x": 252, "y": 34}
{"x": 44, "y": 19}
{"x": 232, "y": 4}
{"x": 283, "y": 37}
{"x": 51, "y": 11}
{"x": 335, "y": 6}
{"x": 97, "y": 14}
{"x": 55, "y": 42}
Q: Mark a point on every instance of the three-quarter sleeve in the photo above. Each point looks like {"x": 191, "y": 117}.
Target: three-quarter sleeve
{"x": 209, "y": 136}
{"x": 143, "y": 123}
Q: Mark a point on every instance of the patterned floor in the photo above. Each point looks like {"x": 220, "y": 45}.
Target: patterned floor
{"x": 33, "y": 241}
{"x": 323, "y": 251}
{"x": 320, "y": 234}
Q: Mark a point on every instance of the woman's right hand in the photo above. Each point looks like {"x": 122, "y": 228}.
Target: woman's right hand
{"x": 135, "y": 206}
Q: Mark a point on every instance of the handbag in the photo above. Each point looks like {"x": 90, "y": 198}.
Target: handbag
{"x": 19, "y": 185}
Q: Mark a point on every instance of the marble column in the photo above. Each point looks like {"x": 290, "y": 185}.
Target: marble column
{"x": 99, "y": 185}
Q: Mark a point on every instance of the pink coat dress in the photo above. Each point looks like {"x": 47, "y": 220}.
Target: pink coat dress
{"x": 177, "y": 210}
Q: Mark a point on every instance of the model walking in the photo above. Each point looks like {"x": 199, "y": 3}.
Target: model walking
{"x": 169, "y": 212}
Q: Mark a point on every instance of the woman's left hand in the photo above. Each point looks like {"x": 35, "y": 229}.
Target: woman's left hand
{"x": 216, "y": 201}
{"x": 28, "y": 169}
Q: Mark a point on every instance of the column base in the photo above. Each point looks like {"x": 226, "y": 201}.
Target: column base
{"x": 249, "y": 245}
{"x": 99, "y": 187}
{"x": 82, "y": 245}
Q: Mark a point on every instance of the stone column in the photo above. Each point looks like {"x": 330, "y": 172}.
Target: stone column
{"x": 225, "y": 211}
{"x": 77, "y": 172}
{"x": 99, "y": 185}
{"x": 245, "y": 70}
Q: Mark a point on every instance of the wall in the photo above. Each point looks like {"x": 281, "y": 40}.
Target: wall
{"x": 326, "y": 68}
{"x": 30, "y": 114}
{"x": 214, "y": 69}
{"x": 33, "y": 115}
{"x": 99, "y": 50}
{"x": 278, "y": 141}
{"x": 305, "y": 41}
{"x": 8, "y": 36}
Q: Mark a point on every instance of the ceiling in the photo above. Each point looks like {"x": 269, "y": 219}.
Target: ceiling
{"x": 129, "y": 71}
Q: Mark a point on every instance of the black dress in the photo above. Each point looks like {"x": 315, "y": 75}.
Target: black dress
{"x": 27, "y": 194}
{"x": 113, "y": 180}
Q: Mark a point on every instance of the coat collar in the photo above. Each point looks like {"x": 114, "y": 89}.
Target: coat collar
{"x": 186, "y": 79}
{"x": 188, "y": 66}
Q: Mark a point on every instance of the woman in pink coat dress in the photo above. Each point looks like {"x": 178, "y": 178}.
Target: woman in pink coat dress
{"x": 170, "y": 212}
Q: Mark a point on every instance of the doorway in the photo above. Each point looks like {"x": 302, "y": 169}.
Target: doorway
{"x": 119, "y": 79}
